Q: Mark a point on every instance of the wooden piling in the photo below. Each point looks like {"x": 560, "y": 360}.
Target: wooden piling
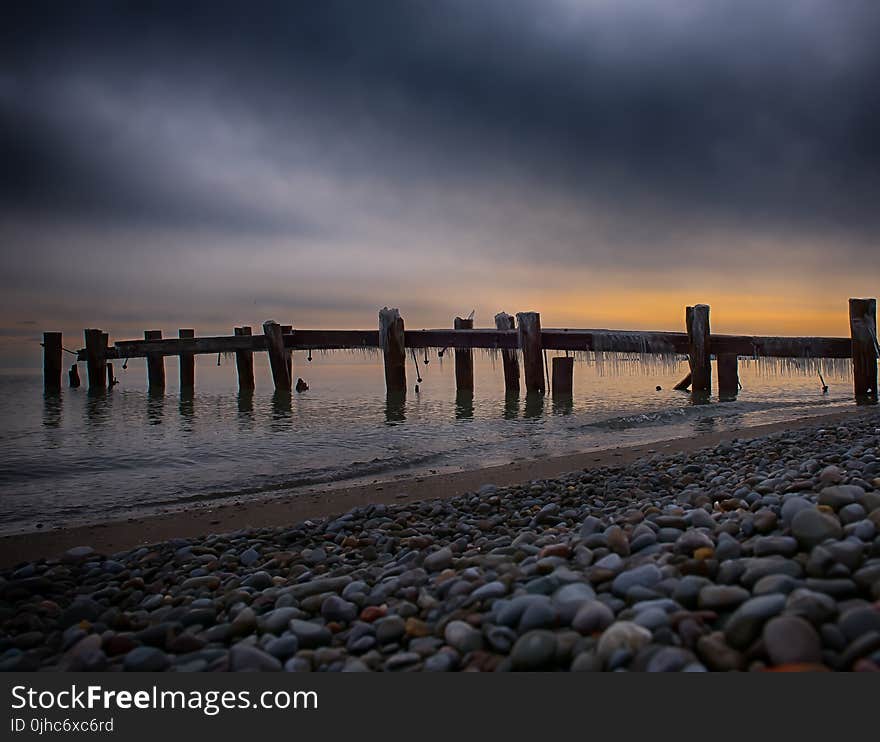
{"x": 562, "y": 376}
{"x": 73, "y": 376}
{"x": 464, "y": 359}
{"x": 728, "y": 374}
{"x": 95, "y": 349}
{"x": 278, "y": 356}
{"x": 111, "y": 377}
{"x": 52, "y": 354}
{"x": 155, "y": 364}
{"x": 697, "y": 321}
{"x": 288, "y": 354}
{"x": 504, "y": 321}
{"x": 530, "y": 343}
{"x": 391, "y": 338}
{"x": 187, "y": 364}
{"x": 863, "y": 332}
{"x": 244, "y": 362}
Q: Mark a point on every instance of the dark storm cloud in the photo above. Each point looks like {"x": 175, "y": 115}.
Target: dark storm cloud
{"x": 654, "y": 114}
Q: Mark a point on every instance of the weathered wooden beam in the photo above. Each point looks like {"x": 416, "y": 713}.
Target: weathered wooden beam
{"x": 52, "y": 354}
{"x": 529, "y": 324}
{"x": 699, "y": 352}
{"x": 95, "y": 355}
{"x": 728, "y": 374}
{"x": 111, "y": 377}
{"x": 73, "y": 376}
{"x": 464, "y": 359}
{"x": 278, "y": 356}
{"x": 552, "y": 339}
{"x": 684, "y": 384}
{"x": 155, "y": 363}
{"x": 244, "y": 362}
{"x": 863, "y": 332}
{"x": 392, "y": 340}
{"x": 562, "y": 376}
{"x": 187, "y": 364}
{"x": 504, "y": 321}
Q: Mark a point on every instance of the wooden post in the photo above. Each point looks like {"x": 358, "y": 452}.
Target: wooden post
{"x": 52, "y": 361}
{"x": 863, "y": 331}
{"x": 530, "y": 342}
{"x": 391, "y": 338}
{"x": 697, "y": 321}
{"x": 155, "y": 363}
{"x": 111, "y": 378}
{"x": 244, "y": 362}
{"x": 464, "y": 359}
{"x": 504, "y": 321}
{"x": 95, "y": 348}
{"x": 288, "y": 354}
{"x": 728, "y": 374}
{"x": 562, "y": 376}
{"x": 73, "y": 376}
{"x": 187, "y": 364}
{"x": 278, "y": 357}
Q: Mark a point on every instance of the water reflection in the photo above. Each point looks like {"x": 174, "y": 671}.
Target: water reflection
{"x": 534, "y": 405}
{"x": 97, "y": 407}
{"x": 155, "y": 405}
{"x": 698, "y": 398}
{"x": 282, "y": 404}
{"x": 51, "y": 409}
{"x": 245, "y": 409}
{"x": 511, "y": 405}
{"x": 464, "y": 404}
{"x": 187, "y": 409}
{"x": 563, "y": 404}
{"x": 395, "y": 407}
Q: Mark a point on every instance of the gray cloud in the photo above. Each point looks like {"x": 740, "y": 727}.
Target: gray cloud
{"x": 347, "y": 143}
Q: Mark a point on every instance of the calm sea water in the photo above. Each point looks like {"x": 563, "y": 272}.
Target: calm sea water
{"x": 82, "y": 458}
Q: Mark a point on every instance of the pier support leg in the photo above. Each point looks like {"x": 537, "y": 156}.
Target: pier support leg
{"x": 530, "y": 342}
{"x": 288, "y": 354}
{"x": 728, "y": 375}
{"x": 562, "y": 376}
{"x": 187, "y": 365}
{"x": 392, "y": 340}
{"x": 504, "y": 321}
{"x": 464, "y": 359}
{"x": 697, "y": 320}
{"x": 278, "y": 356}
{"x": 244, "y": 363}
{"x": 95, "y": 351}
{"x": 155, "y": 364}
{"x": 52, "y": 362}
{"x": 73, "y": 376}
{"x": 863, "y": 331}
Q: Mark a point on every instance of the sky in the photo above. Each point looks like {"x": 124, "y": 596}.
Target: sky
{"x": 604, "y": 162}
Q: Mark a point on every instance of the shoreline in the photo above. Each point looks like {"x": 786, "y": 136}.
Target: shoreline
{"x": 113, "y": 536}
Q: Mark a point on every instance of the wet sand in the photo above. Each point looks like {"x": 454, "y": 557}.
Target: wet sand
{"x": 112, "y": 536}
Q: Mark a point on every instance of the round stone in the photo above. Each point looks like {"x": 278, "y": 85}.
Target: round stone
{"x": 625, "y": 635}
{"x": 791, "y": 639}
{"x": 534, "y": 650}
{"x": 745, "y": 624}
{"x": 462, "y": 636}
{"x": 811, "y": 527}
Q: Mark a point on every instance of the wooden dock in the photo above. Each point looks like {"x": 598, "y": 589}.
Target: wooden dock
{"x": 525, "y": 335}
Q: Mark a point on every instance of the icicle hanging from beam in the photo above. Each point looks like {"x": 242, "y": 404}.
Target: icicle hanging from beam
{"x": 831, "y": 368}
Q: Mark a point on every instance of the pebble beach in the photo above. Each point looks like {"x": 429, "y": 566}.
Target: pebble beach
{"x": 758, "y": 554}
